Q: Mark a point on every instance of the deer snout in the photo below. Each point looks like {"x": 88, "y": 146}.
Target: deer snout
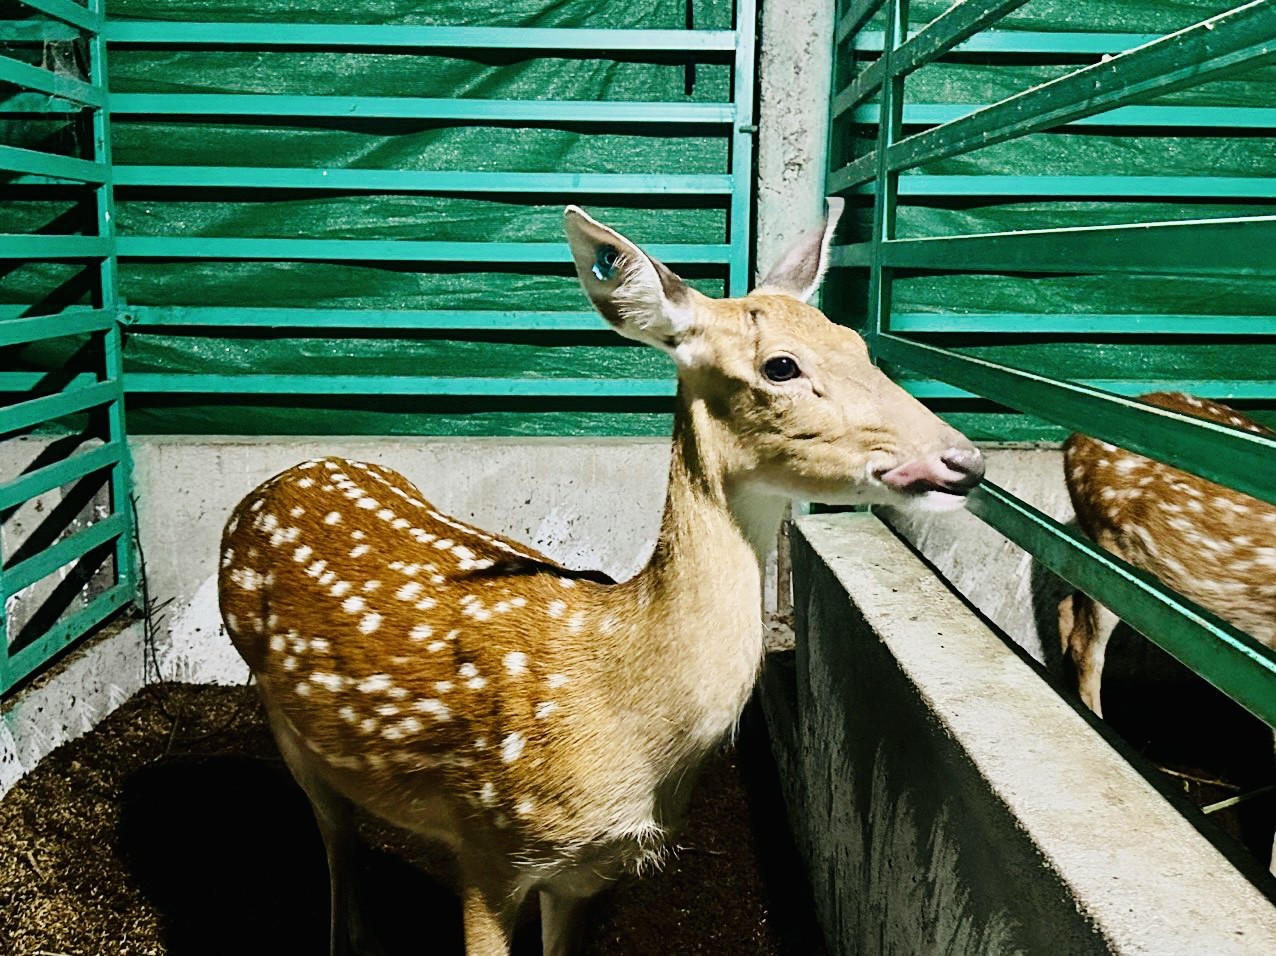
{"x": 949, "y": 474}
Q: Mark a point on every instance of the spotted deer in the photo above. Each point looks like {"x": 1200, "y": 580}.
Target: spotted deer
{"x": 544, "y": 723}
{"x": 1215, "y": 546}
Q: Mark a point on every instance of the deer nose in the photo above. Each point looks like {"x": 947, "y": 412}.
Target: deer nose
{"x": 954, "y": 471}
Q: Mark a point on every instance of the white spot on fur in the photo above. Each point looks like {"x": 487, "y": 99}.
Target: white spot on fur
{"x": 409, "y": 591}
{"x": 556, "y": 680}
{"x": 302, "y": 554}
{"x": 375, "y": 683}
{"x": 420, "y": 632}
{"x": 353, "y": 604}
{"x": 516, "y": 663}
{"x": 556, "y": 608}
{"x": 359, "y": 550}
{"x": 545, "y": 708}
{"x": 370, "y": 622}
{"x": 334, "y": 682}
{"x": 435, "y": 708}
{"x": 512, "y": 747}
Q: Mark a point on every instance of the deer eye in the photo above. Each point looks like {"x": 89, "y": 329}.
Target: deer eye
{"x": 781, "y": 368}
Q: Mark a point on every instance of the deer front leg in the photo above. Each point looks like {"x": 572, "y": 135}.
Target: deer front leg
{"x": 562, "y": 920}
{"x": 1085, "y": 626}
{"x": 490, "y": 898}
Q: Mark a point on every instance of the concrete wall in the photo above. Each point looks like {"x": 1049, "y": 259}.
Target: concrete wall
{"x": 948, "y": 801}
{"x": 589, "y": 504}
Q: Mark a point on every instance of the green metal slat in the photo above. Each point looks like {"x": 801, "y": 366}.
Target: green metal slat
{"x": 53, "y": 247}
{"x": 167, "y": 382}
{"x": 946, "y": 31}
{"x": 18, "y": 160}
{"x": 1234, "y": 662}
{"x": 407, "y": 180}
{"x": 34, "y": 31}
{"x": 68, "y": 12}
{"x": 1187, "y": 187}
{"x": 413, "y": 107}
{"x": 26, "y": 661}
{"x": 1029, "y": 41}
{"x": 32, "y": 484}
{"x": 1237, "y": 40}
{"x": 384, "y": 250}
{"x": 112, "y": 341}
{"x": 1087, "y": 323}
{"x": 20, "y": 103}
{"x": 1229, "y": 389}
{"x": 45, "y": 81}
{"x": 1221, "y": 117}
{"x": 739, "y": 278}
{"x": 469, "y": 319}
{"x": 858, "y": 13}
{"x": 1232, "y": 246}
{"x": 1242, "y": 460}
{"x": 74, "y": 322}
{"x": 47, "y": 408}
{"x": 22, "y": 575}
{"x": 344, "y": 35}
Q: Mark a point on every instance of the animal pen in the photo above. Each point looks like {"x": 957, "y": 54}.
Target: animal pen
{"x": 238, "y": 235}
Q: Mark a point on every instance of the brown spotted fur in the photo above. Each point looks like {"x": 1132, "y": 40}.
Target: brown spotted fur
{"x": 1213, "y": 545}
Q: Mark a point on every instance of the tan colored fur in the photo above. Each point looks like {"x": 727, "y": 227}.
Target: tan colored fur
{"x": 1213, "y": 545}
{"x": 545, "y": 724}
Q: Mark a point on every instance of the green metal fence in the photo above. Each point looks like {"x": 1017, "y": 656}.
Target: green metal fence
{"x": 1131, "y": 274}
{"x": 432, "y": 294}
{"x": 67, "y": 525}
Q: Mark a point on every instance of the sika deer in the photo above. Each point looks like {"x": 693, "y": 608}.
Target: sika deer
{"x": 545, "y": 725}
{"x": 1213, "y": 545}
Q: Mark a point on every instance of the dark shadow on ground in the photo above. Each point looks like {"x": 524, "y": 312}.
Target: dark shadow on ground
{"x": 224, "y": 846}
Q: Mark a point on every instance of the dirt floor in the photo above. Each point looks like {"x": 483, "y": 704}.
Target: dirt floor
{"x": 175, "y": 829}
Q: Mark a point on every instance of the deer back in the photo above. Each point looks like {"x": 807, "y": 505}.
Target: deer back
{"x": 1210, "y": 543}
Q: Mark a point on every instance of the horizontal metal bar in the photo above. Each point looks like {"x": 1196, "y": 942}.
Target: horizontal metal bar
{"x": 18, "y": 160}
{"x": 66, "y": 631}
{"x": 1239, "y": 459}
{"x": 946, "y": 31}
{"x": 68, "y": 12}
{"x": 42, "y": 480}
{"x": 416, "y": 107}
{"x": 1234, "y": 662}
{"x": 1205, "y": 117}
{"x": 22, "y": 103}
{"x": 15, "y": 331}
{"x": 1085, "y": 323}
{"x": 410, "y": 180}
{"x": 46, "y": 81}
{"x": 25, "y": 573}
{"x": 445, "y": 320}
{"x": 384, "y": 250}
{"x": 47, "y": 408}
{"x": 168, "y": 382}
{"x": 1231, "y": 246}
{"x": 53, "y": 247}
{"x": 1229, "y": 389}
{"x": 344, "y": 35}
{"x": 1028, "y": 41}
{"x": 1188, "y": 187}
{"x": 1240, "y": 39}
{"x": 34, "y": 31}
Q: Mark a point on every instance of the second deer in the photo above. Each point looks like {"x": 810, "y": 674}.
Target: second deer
{"x": 547, "y": 726}
{"x": 1213, "y": 545}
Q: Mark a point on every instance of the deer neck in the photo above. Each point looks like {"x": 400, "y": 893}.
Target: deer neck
{"x": 703, "y": 582}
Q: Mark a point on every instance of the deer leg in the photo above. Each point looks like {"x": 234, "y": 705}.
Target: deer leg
{"x": 1272, "y": 865}
{"x": 334, "y": 815}
{"x": 562, "y": 919}
{"x": 1085, "y": 626}
{"x": 489, "y": 905}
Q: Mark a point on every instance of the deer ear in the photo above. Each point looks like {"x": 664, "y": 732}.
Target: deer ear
{"x": 802, "y": 269}
{"x": 640, "y": 297}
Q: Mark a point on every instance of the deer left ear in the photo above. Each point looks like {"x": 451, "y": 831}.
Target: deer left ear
{"x": 639, "y": 296}
{"x": 801, "y": 270}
